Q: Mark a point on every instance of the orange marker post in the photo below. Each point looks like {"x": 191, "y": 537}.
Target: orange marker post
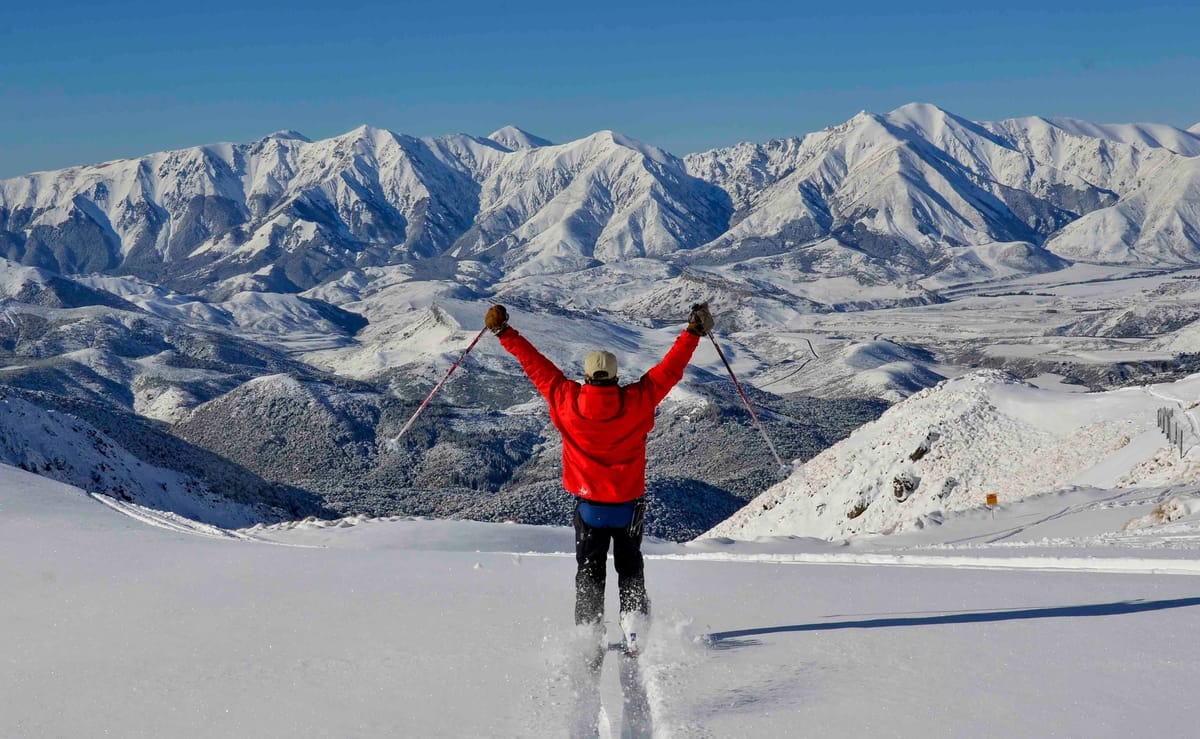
{"x": 992, "y": 501}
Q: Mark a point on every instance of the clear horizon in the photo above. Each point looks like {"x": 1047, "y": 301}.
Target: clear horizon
{"x": 83, "y": 84}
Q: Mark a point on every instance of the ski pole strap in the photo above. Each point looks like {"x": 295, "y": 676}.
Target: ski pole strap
{"x": 437, "y": 387}
{"x": 749, "y": 406}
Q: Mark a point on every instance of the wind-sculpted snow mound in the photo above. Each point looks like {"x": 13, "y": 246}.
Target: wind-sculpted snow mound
{"x": 946, "y": 448}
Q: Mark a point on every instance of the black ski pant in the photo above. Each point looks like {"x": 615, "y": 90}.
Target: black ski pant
{"x": 591, "y": 552}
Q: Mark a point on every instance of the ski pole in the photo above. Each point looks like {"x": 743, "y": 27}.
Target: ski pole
{"x": 783, "y": 468}
{"x": 394, "y": 441}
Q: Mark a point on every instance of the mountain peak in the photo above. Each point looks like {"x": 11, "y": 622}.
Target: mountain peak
{"x": 368, "y": 135}
{"x": 617, "y": 138}
{"x": 288, "y": 135}
{"x": 918, "y": 107}
{"x": 515, "y": 138}
{"x": 921, "y": 115}
{"x": 1195, "y": 129}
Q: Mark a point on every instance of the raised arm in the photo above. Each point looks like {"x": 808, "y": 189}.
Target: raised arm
{"x": 664, "y": 375}
{"x": 541, "y": 371}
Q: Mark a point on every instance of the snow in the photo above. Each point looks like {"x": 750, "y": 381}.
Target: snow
{"x": 877, "y": 170}
{"x": 436, "y": 628}
{"x": 1052, "y": 381}
{"x": 969, "y": 436}
{"x": 854, "y": 369}
{"x": 514, "y": 138}
{"x": 1067, "y": 609}
{"x": 1124, "y": 193}
{"x": 1153, "y": 135}
{"x": 15, "y": 278}
{"x": 1154, "y": 225}
{"x": 602, "y": 198}
{"x": 70, "y": 450}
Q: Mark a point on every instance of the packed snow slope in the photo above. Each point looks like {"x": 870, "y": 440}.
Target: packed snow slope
{"x": 406, "y": 627}
{"x": 946, "y": 448}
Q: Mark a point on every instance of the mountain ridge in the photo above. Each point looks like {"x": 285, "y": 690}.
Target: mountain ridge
{"x": 907, "y": 191}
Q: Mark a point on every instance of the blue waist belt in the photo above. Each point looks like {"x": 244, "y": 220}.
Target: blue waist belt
{"x": 606, "y": 515}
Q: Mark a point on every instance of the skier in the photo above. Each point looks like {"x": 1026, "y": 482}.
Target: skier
{"x": 604, "y": 427}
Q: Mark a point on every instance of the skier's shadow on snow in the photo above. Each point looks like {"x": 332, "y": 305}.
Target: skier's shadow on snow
{"x": 744, "y": 637}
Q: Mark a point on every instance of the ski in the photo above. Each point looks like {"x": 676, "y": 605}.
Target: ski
{"x": 583, "y": 674}
{"x": 636, "y": 721}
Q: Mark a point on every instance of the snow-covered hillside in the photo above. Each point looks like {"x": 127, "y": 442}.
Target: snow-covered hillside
{"x": 604, "y": 198}
{"x": 66, "y": 448}
{"x": 155, "y": 626}
{"x": 946, "y": 448}
{"x": 1158, "y": 223}
{"x": 291, "y": 212}
{"x": 45, "y": 288}
{"x": 162, "y": 360}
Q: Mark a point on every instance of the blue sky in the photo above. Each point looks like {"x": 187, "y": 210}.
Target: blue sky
{"x": 84, "y": 82}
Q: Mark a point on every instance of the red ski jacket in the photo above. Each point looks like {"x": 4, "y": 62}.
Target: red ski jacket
{"x": 603, "y": 427}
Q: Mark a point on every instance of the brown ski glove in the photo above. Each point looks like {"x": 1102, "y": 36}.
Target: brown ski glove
{"x": 496, "y": 319}
{"x": 700, "y": 322}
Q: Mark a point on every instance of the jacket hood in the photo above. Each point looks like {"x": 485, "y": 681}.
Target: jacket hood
{"x": 599, "y": 402}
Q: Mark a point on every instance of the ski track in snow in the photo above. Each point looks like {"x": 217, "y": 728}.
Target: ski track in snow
{"x": 1115, "y": 565}
{"x": 181, "y": 525}
{"x": 1112, "y": 565}
{"x": 165, "y": 520}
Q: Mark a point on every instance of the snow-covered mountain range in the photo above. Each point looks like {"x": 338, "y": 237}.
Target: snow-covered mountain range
{"x": 911, "y": 194}
{"x": 201, "y": 352}
{"x": 286, "y": 303}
